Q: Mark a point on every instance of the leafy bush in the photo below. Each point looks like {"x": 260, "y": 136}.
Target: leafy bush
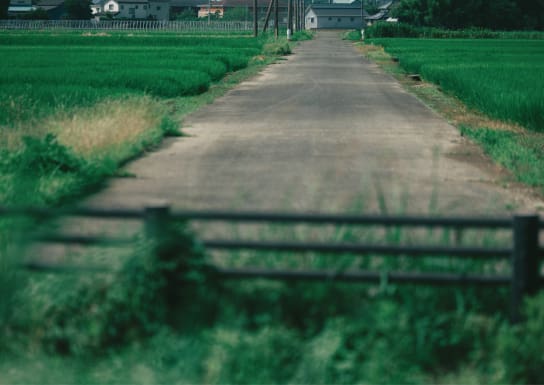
{"x": 277, "y": 49}
{"x": 519, "y": 354}
{"x": 45, "y": 156}
{"x": 144, "y": 296}
{"x": 354, "y": 35}
{"x": 382, "y": 29}
{"x": 302, "y": 35}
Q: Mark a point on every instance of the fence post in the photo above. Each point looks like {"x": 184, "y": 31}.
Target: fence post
{"x": 525, "y": 262}
{"x": 157, "y": 221}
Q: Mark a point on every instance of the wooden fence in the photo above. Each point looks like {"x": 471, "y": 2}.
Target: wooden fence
{"x": 128, "y": 25}
{"x": 524, "y": 254}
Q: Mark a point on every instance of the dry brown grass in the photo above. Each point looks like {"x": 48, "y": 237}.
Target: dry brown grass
{"x": 108, "y": 125}
{"x": 93, "y": 131}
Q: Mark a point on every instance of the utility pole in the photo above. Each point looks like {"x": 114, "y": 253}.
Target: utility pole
{"x": 255, "y": 21}
{"x": 276, "y": 20}
{"x": 289, "y": 18}
{"x": 267, "y": 18}
{"x": 363, "y": 20}
{"x": 302, "y": 14}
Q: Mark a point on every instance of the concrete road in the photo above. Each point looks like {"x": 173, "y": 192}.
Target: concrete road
{"x": 324, "y": 130}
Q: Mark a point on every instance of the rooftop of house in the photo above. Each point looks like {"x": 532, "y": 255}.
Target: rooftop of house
{"x": 132, "y": 1}
{"x": 330, "y": 10}
{"x": 354, "y": 5}
{"x": 185, "y": 3}
{"x": 224, "y": 3}
{"x": 49, "y": 3}
{"x": 21, "y": 8}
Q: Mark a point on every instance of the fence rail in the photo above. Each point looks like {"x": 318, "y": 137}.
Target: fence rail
{"x": 525, "y": 253}
{"x": 129, "y": 25}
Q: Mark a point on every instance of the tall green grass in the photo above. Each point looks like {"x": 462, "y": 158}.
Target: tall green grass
{"x": 502, "y": 78}
{"x": 143, "y": 324}
{"x": 385, "y": 29}
{"x": 41, "y": 73}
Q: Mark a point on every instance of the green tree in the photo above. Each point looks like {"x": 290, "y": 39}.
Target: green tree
{"x": 532, "y": 13}
{"x": 454, "y": 14}
{"x": 187, "y": 14}
{"x": 4, "y": 5}
{"x": 38, "y": 14}
{"x": 237, "y": 14}
{"x": 78, "y": 9}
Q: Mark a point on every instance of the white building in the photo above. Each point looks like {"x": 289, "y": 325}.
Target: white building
{"x": 132, "y": 9}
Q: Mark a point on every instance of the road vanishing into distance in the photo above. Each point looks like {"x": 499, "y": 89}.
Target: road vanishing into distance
{"x": 323, "y": 130}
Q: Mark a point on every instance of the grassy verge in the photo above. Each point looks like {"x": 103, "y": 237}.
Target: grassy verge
{"x": 59, "y": 141}
{"x": 517, "y": 149}
{"x": 156, "y": 320}
{"x": 165, "y": 318}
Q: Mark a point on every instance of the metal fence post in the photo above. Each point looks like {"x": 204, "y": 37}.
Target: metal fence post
{"x": 525, "y": 262}
{"x": 157, "y": 220}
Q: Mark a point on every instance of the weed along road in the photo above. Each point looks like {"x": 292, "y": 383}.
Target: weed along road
{"x": 322, "y": 130}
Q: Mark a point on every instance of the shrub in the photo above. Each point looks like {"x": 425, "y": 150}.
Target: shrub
{"x": 302, "y": 35}
{"x": 277, "y": 49}
{"x": 45, "y": 156}
{"x": 519, "y": 354}
{"x": 147, "y": 294}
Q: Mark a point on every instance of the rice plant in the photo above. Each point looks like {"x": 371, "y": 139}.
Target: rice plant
{"x": 502, "y": 78}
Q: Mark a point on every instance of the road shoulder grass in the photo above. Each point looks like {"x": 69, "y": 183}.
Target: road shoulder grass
{"x": 517, "y": 150}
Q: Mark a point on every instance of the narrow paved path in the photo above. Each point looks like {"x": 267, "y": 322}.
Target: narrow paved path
{"x": 324, "y": 130}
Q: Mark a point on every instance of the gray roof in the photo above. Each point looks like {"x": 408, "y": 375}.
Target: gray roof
{"x": 353, "y": 9}
{"x": 354, "y": 5}
{"x": 185, "y": 3}
{"x": 337, "y": 12}
{"x": 132, "y": 1}
{"x": 49, "y": 3}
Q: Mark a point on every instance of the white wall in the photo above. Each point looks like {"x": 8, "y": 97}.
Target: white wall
{"x": 311, "y": 20}
{"x": 111, "y": 6}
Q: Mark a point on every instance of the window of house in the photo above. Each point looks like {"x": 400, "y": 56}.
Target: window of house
{"x": 110, "y": 7}
{"x": 330, "y": 18}
{"x": 339, "y": 19}
{"x": 122, "y": 6}
{"x": 352, "y": 19}
{"x": 311, "y": 20}
{"x": 136, "y": 7}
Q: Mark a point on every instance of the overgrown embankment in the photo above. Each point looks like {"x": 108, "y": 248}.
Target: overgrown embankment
{"x": 74, "y": 107}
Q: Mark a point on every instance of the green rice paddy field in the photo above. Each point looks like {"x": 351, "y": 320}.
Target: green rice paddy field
{"x": 42, "y": 73}
{"x": 502, "y": 78}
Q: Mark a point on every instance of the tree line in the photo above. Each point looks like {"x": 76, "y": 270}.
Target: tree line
{"x": 456, "y": 14}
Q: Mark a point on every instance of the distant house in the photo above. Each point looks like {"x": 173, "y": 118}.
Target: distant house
{"x": 221, "y": 7}
{"x": 132, "y": 9}
{"x": 342, "y": 15}
{"x": 20, "y": 7}
{"x": 212, "y": 7}
{"x": 159, "y": 9}
{"x": 334, "y": 16}
{"x": 54, "y": 8}
{"x": 180, "y": 6}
